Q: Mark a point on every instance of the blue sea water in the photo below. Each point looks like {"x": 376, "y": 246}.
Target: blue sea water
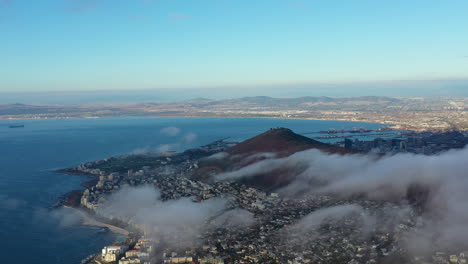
{"x": 30, "y": 232}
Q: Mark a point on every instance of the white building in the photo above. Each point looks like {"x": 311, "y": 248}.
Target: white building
{"x": 112, "y": 253}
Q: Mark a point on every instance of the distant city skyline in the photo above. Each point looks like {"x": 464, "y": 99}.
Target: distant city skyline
{"x": 225, "y": 48}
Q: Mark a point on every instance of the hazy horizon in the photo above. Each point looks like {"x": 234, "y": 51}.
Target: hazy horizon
{"x": 436, "y": 88}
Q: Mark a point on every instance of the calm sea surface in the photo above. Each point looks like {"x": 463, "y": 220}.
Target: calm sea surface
{"x": 30, "y": 232}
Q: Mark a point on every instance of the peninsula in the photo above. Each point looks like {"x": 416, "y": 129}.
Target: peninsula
{"x": 249, "y": 202}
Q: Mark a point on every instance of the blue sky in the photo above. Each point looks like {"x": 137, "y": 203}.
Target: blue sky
{"x": 84, "y": 45}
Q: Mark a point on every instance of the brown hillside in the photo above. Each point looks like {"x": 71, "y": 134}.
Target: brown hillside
{"x": 281, "y": 141}
{"x": 284, "y": 142}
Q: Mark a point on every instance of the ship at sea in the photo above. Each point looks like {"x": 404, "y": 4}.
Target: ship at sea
{"x": 16, "y": 126}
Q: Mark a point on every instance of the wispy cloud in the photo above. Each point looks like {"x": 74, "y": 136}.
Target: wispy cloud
{"x": 189, "y": 137}
{"x": 166, "y": 147}
{"x": 170, "y": 131}
{"x": 176, "y": 223}
{"x": 439, "y": 182}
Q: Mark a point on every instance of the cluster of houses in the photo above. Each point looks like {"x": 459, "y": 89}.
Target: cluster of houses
{"x": 272, "y": 237}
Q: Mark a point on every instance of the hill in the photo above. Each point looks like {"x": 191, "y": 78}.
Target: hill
{"x": 274, "y": 143}
{"x": 283, "y": 142}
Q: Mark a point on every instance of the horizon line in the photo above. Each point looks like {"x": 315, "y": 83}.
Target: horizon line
{"x": 208, "y": 87}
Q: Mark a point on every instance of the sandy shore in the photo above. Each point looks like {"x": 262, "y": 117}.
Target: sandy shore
{"x": 89, "y": 220}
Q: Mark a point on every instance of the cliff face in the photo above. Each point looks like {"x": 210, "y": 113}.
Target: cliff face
{"x": 278, "y": 143}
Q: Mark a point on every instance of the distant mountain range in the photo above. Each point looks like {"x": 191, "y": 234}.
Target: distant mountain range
{"x": 199, "y": 103}
{"x": 290, "y": 102}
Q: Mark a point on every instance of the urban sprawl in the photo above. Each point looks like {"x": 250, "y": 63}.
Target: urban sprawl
{"x": 273, "y": 236}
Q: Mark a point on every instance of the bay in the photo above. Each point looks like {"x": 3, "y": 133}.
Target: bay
{"x": 33, "y": 233}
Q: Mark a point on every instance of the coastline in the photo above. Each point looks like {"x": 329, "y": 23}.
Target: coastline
{"x": 208, "y": 116}
{"x": 89, "y": 220}
{"x": 72, "y": 198}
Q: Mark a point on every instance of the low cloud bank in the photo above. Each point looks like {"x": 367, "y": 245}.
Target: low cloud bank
{"x": 313, "y": 220}
{"x": 307, "y": 228}
{"x": 297, "y": 161}
{"x": 181, "y": 142}
{"x": 170, "y": 131}
{"x": 189, "y": 137}
{"x": 217, "y": 156}
{"x": 440, "y": 181}
{"x": 348, "y": 175}
{"x": 178, "y": 223}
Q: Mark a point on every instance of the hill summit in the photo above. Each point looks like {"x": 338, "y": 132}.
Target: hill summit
{"x": 274, "y": 143}
{"x": 284, "y": 142}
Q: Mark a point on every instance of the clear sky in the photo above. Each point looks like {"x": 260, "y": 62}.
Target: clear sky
{"x": 78, "y": 45}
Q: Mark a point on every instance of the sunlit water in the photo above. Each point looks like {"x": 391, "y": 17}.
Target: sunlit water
{"x": 30, "y": 233}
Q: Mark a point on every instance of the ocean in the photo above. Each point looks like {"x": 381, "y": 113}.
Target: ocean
{"x": 31, "y": 232}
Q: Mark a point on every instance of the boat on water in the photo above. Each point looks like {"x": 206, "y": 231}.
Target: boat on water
{"x": 16, "y": 126}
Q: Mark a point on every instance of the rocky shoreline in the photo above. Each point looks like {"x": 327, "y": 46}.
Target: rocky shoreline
{"x": 72, "y": 198}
